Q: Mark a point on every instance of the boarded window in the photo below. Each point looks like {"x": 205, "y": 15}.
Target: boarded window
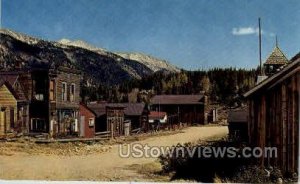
{"x": 64, "y": 91}
{"x": 52, "y": 90}
{"x": 72, "y": 93}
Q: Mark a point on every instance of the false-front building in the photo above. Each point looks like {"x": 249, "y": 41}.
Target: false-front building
{"x": 52, "y": 92}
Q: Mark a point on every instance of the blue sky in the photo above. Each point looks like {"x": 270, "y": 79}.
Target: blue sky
{"x": 191, "y": 34}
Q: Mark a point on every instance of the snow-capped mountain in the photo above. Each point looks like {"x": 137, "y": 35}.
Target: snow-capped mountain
{"x": 96, "y": 64}
{"x": 151, "y": 62}
{"x": 82, "y": 44}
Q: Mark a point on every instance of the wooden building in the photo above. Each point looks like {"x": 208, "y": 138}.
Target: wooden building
{"x": 187, "y": 108}
{"x": 13, "y": 104}
{"x": 8, "y": 108}
{"x": 238, "y": 124}
{"x": 136, "y": 113}
{"x": 115, "y": 119}
{"x": 274, "y": 116}
{"x": 52, "y": 91}
{"x": 87, "y": 122}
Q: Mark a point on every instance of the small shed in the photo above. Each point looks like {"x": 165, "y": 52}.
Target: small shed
{"x": 87, "y": 122}
{"x": 238, "y": 124}
{"x": 115, "y": 119}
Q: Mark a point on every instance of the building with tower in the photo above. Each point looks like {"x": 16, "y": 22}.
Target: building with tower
{"x": 275, "y": 61}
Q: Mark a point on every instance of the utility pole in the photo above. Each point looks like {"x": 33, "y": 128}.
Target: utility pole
{"x": 259, "y": 37}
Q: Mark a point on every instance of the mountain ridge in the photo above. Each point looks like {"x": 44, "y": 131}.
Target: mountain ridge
{"x": 97, "y": 64}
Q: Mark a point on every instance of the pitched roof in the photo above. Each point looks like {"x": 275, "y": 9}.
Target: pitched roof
{"x": 292, "y": 67}
{"x": 87, "y": 108}
{"x": 157, "y": 115}
{"x": 237, "y": 116}
{"x": 177, "y": 99}
{"x": 276, "y": 57}
{"x": 12, "y": 79}
{"x": 9, "y": 87}
{"x": 131, "y": 109}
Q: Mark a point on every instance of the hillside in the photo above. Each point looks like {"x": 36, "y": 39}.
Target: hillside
{"x": 97, "y": 65}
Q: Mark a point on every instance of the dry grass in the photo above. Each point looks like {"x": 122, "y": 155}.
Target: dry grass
{"x": 151, "y": 171}
{"x": 72, "y": 148}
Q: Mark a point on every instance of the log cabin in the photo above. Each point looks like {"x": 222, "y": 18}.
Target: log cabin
{"x": 274, "y": 116}
{"x": 189, "y": 109}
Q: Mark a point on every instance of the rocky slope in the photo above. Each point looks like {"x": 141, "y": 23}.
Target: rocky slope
{"x": 151, "y": 62}
{"x": 97, "y": 65}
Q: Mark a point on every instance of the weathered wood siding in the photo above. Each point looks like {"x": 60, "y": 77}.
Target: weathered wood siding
{"x": 115, "y": 121}
{"x": 69, "y": 79}
{"x": 274, "y": 122}
{"x": 8, "y": 108}
{"x": 190, "y": 114}
{"x": 25, "y": 80}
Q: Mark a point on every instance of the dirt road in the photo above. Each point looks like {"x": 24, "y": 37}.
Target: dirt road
{"x": 96, "y": 166}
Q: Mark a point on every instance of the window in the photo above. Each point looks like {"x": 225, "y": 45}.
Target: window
{"x": 39, "y": 97}
{"x": 39, "y": 89}
{"x": 37, "y": 125}
{"x": 52, "y": 90}
{"x": 91, "y": 122}
{"x": 72, "y": 92}
{"x": 64, "y": 92}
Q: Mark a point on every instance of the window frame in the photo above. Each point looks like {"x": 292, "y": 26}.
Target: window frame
{"x": 72, "y": 93}
{"x": 52, "y": 91}
{"x": 64, "y": 92}
{"x": 93, "y": 122}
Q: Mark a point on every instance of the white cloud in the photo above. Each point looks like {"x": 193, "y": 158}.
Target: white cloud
{"x": 241, "y": 31}
{"x": 244, "y": 31}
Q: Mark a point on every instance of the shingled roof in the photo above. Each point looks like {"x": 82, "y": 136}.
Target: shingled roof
{"x": 177, "y": 99}
{"x": 276, "y": 57}
{"x": 292, "y": 67}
